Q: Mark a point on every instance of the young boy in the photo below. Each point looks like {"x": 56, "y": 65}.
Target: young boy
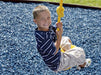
{"x": 49, "y": 41}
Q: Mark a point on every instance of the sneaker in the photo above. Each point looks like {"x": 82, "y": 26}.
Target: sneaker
{"x": 88, "y": 63}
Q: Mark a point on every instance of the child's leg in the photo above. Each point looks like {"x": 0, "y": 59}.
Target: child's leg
{"x": 83, "y": 65}
{"x": 65, "y": 43}
{"x": 71, "y": 58}
{"x": 86, "y": 64}
{"x": 78, "y": 54}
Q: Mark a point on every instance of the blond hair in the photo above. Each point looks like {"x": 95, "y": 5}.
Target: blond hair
{"x": 39, "y": 9}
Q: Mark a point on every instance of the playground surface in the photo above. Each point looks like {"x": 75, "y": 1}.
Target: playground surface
{"x": 18, "y": 53}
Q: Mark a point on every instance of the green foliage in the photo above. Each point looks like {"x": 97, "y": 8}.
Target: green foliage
{"x": 96, "y": 3}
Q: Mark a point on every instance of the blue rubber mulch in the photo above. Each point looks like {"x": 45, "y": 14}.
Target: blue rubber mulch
{"x": 18, "y": 53}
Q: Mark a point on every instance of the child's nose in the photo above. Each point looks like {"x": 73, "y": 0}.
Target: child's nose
{"x": 46, "y": 21}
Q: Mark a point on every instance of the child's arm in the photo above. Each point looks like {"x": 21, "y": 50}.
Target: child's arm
{"x": 59, "y": 36}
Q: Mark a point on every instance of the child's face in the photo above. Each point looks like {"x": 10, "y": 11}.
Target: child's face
{"x": 43, "y": 21}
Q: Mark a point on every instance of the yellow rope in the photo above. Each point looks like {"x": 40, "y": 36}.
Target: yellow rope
{"x": 60, "y": 11}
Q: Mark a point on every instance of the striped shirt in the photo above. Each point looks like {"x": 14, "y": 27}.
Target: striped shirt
{"x": 46, "y": 48}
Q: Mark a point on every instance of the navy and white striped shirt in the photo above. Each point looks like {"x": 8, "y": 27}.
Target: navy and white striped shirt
{"x": 46, "y": 48}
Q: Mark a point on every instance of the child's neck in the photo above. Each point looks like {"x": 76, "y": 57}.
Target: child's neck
{"x": 43, "y": 29}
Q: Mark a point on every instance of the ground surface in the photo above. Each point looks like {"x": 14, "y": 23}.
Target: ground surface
{"x": 18, "y": 53}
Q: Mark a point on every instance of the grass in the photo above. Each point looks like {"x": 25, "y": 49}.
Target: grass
{"x": 95, "y": 3}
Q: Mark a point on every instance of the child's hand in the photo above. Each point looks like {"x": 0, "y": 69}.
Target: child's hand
{"x": 59, "y": 33}
{"x": 59, "y": 36}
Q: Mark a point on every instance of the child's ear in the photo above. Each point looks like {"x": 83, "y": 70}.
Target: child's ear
{"x": 35, "y": 21}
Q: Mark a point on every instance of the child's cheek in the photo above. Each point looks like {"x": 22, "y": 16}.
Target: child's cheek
{"x": 50, "y": 21}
